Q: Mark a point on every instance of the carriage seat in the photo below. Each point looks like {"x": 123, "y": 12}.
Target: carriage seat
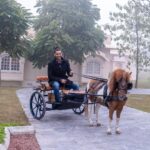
{"x": 43, "y": 80}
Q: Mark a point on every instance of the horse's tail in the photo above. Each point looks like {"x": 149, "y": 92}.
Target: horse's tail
{"x": 86, "y": 104}
{"x": 86, "y": 110}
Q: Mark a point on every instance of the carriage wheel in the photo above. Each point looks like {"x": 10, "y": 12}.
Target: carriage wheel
{"x": 37, "y": 105}
{"x": 79, "y": 110}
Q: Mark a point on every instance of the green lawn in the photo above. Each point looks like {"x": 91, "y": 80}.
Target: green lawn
{"x": 2, "y": 128}
{"x": 141, "y": 102}
{"x": 144, "y": 84}
{"x": 11, "y": 112}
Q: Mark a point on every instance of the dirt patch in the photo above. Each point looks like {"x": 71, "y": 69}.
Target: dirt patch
{"x": 23, "y": 142}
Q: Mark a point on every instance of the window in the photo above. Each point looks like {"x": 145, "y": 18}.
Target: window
{"x": 10, "y": 64}
{"x": 15, "y": 64}
{"x": 5, "y": 63}
{"x": 93, "y": 68}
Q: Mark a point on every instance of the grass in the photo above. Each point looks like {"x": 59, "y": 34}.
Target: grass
{"x": 144, "y": 84}
{"x": 141, "y": 102}
{"x": 2, "y": 130}
{"x": 11, "y": 112}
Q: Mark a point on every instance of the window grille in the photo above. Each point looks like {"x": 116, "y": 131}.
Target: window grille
{"x": 10, "y": 64}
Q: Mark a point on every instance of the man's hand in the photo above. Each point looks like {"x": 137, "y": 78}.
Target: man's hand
{"x": 63, "y": 81}
{"x": 71, "y": 73}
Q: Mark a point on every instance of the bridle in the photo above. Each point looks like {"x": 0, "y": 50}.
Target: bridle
{"x": 121, "y": 88}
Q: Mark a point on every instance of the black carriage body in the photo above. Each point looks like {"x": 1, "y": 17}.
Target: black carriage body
{"x": 43, "y": 99}
{"x": 39, "y": 105}
{"x": 71, "y": 101}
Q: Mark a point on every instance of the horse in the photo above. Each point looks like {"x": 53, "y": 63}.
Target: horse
{"x": 94, "y": 102}
{"x": 118, "y": 84}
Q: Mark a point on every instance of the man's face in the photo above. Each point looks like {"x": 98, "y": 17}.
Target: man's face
{"x": 58, "y": 55}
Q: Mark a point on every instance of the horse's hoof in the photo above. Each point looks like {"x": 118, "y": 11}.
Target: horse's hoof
{"x": 98, "y": 124}
{"x": 109, "y": 132}
{"x": 118, "y": 132}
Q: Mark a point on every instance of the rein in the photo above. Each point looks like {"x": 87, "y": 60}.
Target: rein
{"x": 92, "y": 77}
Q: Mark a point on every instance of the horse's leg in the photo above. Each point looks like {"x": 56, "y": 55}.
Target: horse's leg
{"x": 118, "y": 113}
{"x": 111, "y": 111}
{"x": 97, "y": 114}
{"x": 112, "y": 106}
{"x": 90, "y": 106}
{"x": 86, "y": 110}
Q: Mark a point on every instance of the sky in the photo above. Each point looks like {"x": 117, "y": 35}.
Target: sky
{"x": 105, "y": 6}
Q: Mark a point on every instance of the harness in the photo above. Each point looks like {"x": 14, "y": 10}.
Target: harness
{"x": 96, "y": 86}
{"x": 118, "y": 88}
{"x": 93, "y": 89}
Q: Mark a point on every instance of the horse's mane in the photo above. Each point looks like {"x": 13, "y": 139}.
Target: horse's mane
{"x": 116, "y": 76}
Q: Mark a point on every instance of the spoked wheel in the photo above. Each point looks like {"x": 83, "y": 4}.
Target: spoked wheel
{"x": 79, "y": 110}
{"x": 37, "y": 105}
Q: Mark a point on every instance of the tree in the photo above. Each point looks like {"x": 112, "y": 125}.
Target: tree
{"x": 14, "y": 21}
{"x": 130, "y": 29}
{"x": 69, "y": 24}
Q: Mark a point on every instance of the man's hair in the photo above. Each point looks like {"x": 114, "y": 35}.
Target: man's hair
{"x": 56, "y": 49}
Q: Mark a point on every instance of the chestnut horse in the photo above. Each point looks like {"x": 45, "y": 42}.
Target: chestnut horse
{"x": 118, "y": 85}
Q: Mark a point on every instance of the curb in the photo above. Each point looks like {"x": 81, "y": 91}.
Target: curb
{"x": 5, "y": 145}
{"x": 15, "y": 131}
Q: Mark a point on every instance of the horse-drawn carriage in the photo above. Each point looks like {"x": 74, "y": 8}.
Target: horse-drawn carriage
{"x": 43, "y": 99}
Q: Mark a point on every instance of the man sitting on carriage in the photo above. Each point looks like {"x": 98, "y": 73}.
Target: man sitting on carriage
{"x": 58, "y": 72}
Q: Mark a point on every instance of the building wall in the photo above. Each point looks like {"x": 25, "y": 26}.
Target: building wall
{"x": 104, "y": 62}
{"x": 76, "y": 68}
{"x": 106, "y": 65}
{"x": 9, "y": 76}
{"x": 27, "y": 75}
{"x": 30, "y": 74}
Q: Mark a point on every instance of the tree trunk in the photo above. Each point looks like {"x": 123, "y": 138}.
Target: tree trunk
{"x": 0, "y": 76}
{"x": 137, "y": 72}
{"x": 137, "y": 53}
{"x": 0, "y": 69}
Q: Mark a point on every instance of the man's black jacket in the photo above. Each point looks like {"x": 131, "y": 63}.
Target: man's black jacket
{"x": 58, "y": 71}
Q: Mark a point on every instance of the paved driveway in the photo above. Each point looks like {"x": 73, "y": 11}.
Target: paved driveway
{"x": 63, "y": 130}
{"x": 140, "y": 91}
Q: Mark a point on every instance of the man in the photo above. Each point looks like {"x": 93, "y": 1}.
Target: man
{"x": 58, "y": 73}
